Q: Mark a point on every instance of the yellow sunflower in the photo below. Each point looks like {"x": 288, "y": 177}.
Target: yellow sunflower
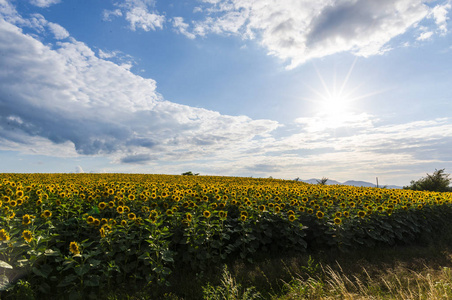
{"x": 74, "y": 248}
{"x": 27, "y": 235}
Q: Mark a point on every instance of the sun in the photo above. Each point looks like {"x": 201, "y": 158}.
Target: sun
{"x": 335, "y": 105}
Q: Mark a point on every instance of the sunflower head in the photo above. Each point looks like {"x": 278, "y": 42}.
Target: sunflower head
{"x": 74, "y": 248}
{"x": 223, "y": 214}
{"x": 131, "y": 216}
{"x": 320, "y": 214}
{"x": 26, "y": 219}
{"x": 292, "y": 218}
{"x": 4, "y": 236}
{"x": 90, "y": 220}
{"x": 47, "y": 213}
{"x": 361, "y": 214}
{"x": 27, "y": 235}
{"x": 337, "y": 221}
{"x": 206, "y": 214}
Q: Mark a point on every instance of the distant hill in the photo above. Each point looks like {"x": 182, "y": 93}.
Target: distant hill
{"x": 350, "y": 182}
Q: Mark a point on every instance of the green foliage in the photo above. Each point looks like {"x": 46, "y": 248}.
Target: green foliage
{"x": 439, "y": 181}
{"x": 229, "y": 290}
{"x": 322, "y": 181}
{"x": 190, "y": 173}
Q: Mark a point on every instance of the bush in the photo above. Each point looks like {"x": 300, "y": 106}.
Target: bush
{"x": 437, "y": 182}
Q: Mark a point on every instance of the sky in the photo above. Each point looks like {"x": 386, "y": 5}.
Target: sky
{"x": 343, "y": 89}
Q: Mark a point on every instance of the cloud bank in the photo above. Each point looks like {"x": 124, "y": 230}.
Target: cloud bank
{"x": 66, "y": 95}
{"x": 300, "y": 30}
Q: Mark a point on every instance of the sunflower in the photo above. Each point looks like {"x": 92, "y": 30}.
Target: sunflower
{"x": 111, "y": 204}
{"x": 310, "y": 211}
{"x": 131, "y": 216}
{"x": 120, "y": 209}
{"x": 126, "y": 209}
{"x": 12, "y": 203}
{"x": 26, "y": 220}
{"x": 292, "y": 218}
{"x": 27, "y": 235}
{"x": 337, "y": 221}
{"x": 102, "y": 232}
{"x": 301, "y": 208}
{"x": 188, "y": 217}
{"x": 262, "y": 207}
{"x": 277, "y": 209}
{"x": 243, "y": 218}
{"x": 103, "y": 221}
{"x": 206, "y": 214}
{"x": 346, "y": 214}
{"x": 123, "y": 222}
{"x": 74, "y": 248}
{"x": 361, "y": 214}
{"x": 223, "y": 214}
{"x": 244, "y": 213}
{"x": 290, "y": 212}
{"x": 169, "y": 212}
{"x": 96, "y": 222}
{"x": 319, "y": 214}
{"x": 90, "y": 220}
{"x": 102, "y": 205}
{"x": 47, "y": 213}
{"x": 19, "y": 193}
{"x": 4, "y": 236}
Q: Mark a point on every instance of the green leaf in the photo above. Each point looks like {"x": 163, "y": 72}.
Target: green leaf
{"x": 5, "y": 265}
{"x": 50, "y": 252}
{"x": 167, "y": 256}
{"x": 81, "y": 270}
{"x": 92, "y": 280}
{"x": 43, "y": 271}
{"x": 67, "y": 280}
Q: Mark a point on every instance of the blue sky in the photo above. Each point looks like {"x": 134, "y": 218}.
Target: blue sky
{"x": 349, "y": 89}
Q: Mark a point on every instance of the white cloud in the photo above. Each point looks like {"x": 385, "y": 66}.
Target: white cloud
{"x": 439, "y": 13}
{"x": 44, "y": 3}
{"x": 139, "y": 17}
{"x": 63, "y": 95}
{"x": 107, "y": 14}
{"x": 58, "y": 31}
{"x": 425, "y": 36}
{"x": 181, "y": 27}
{"x": 138, "y": 13}
{"x": 299, "y": 30}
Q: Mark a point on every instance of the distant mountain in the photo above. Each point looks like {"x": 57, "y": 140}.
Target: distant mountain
{"x": 350, "y": 182}
{"x": 315, "y": 181}
{"x": 359, "y": 183}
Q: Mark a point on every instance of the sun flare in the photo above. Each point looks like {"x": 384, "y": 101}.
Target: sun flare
{"x": 334, "y": 105}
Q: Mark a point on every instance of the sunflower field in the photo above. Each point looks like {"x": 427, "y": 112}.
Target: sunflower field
{"x": 80, "y": 233}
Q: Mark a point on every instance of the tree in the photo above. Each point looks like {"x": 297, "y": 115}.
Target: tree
{"x": 322, "y": 181}
{"x": 439, "y": 181}
{"x": 190, "y": 173}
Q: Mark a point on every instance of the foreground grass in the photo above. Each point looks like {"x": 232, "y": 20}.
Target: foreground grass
{"x": 419, "y": 271}
{"x": 402, "y": 272}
